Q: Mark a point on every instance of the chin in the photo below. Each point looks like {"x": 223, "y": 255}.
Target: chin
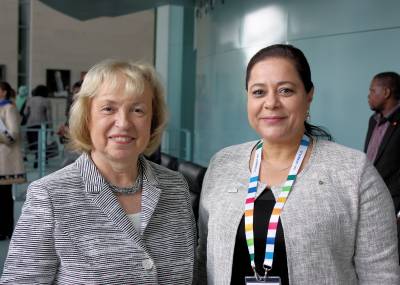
{"x": 272, "y": 134}
{"x": 123, "y": 156}
{"x": 277, "y": 137}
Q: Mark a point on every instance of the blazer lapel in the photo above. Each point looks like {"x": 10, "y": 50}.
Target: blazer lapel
{"x": 150, "y": 198}
{"x": 240, "y": 187}
{"x": 386, "y": 138}
{"x": 100, "y": 194}
{"x": 107, "y": 202}
{"x": 150, "y": 193}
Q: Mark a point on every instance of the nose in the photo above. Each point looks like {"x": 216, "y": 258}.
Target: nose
{"x": 122, "y": 119}
{"x": 271, "y": 101}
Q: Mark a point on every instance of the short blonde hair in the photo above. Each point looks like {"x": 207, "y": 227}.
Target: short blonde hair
{"x": 135, "y": 76}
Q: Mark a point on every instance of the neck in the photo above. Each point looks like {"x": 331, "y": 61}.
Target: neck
{"x": 389, "y": 107}
{"x": 280, "y": 152}
{"x": 117, "y": 173}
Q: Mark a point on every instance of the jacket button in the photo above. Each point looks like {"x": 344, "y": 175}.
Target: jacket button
{"x": 147, "y": 264}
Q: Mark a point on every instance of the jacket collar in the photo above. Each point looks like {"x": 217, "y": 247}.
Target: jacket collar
{"x": 394, "y": 123}
{"x": 100, "y": 194}
{"x": 94, "y": 181}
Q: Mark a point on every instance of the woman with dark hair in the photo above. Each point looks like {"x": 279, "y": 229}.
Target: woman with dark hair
{"x": 37, "y": 111}
{"x": 11, "y": 164}
{"x": 293, "y": 207}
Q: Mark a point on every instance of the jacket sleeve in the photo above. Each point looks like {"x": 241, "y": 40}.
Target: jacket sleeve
{"x": 192, "y": 233}
{"x": 11, "y": 122}
{"x": 32, "y": 257}
{"x": 376, "y": 255}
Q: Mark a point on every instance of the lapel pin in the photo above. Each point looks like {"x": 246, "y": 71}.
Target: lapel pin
{"x": 394, "y": 123}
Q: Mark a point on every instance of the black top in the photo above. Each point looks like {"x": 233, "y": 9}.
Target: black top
{"x": 263, "y": 207}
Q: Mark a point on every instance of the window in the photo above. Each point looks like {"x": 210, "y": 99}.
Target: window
{"x": 58, "y": 81}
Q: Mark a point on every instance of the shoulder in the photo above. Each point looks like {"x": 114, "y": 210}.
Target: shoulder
{"x": 334, "y": 153}
{"x": 233, "y": 154}
{"x": 229, "y": 165}
{"x": 343, "y": 164}
{"x": 9, "y": 109}
{"x": 162, "y": 173}
{"x": 164, "y": 177}
{"x": 63, "y": 179}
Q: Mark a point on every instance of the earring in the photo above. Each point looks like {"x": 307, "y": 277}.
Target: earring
{"x": 308, "y": 116}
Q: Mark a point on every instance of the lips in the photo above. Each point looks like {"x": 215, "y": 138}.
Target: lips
{"x": 272, "y": 119}
{"x": 121, "y": 138}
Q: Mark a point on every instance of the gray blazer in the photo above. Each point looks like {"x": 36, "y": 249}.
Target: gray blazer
{"x": 338, "y": 220}
{"x": 72, "y": 230}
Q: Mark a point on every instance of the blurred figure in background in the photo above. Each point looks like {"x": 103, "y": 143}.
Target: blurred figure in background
{"x": 76, "y": 87}
{"x": 37, "y": 111}
{"x": 21, "y": 102}
{"x": 69, "y": 155}
{"x": 382, "y": 143}
{"x": 11, "y": 165}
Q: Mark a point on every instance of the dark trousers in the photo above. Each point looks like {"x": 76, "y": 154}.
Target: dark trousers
{"x": 6, "y": 210}
{"x": 32, "y": 137}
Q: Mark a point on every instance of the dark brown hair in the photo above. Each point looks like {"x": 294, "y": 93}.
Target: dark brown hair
{"x": 7, "y": 87}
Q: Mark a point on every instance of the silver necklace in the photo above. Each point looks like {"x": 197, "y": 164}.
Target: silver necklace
{"x": 137, "y": 186}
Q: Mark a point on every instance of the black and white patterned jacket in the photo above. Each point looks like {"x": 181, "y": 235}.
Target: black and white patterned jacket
{"x": 72, "y": 230}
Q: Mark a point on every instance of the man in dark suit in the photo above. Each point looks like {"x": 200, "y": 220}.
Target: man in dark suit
{"x": 382, "y": 144}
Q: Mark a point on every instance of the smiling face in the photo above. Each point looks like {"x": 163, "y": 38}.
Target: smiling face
{"x": 277, "y": 101}
{"x": 119, "y": 124}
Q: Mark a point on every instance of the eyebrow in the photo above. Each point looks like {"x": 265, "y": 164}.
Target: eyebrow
{"x": 135, "y": 101}
{"x": 278, "y": 83}
{"x": 106, "y": 101}
{"x": 286, "y": 82}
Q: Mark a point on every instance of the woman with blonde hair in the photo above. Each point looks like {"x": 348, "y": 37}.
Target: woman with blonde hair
{"x": 111, "y": 217}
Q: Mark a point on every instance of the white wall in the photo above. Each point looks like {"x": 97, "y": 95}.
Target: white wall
{"x": 9, "y": 39}
{"x": 62, "y": 42}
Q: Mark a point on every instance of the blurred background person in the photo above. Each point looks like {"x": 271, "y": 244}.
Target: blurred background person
{"x": 293, "y": 205}
{"x": 111, "y": 217}
{"x": 37, "y": 111}
{"x": 21, "y": 102}
{"x": 76, "y": 87}
{"x": 62, "y": 132}
{"x": 11, "y": 164}
{"x": 382, "y": 143}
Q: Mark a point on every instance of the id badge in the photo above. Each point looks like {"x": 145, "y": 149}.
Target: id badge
{"x": 270, "y": 280}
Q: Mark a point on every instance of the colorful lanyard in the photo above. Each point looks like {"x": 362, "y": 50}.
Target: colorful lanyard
{"x": 280, "y": 202}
